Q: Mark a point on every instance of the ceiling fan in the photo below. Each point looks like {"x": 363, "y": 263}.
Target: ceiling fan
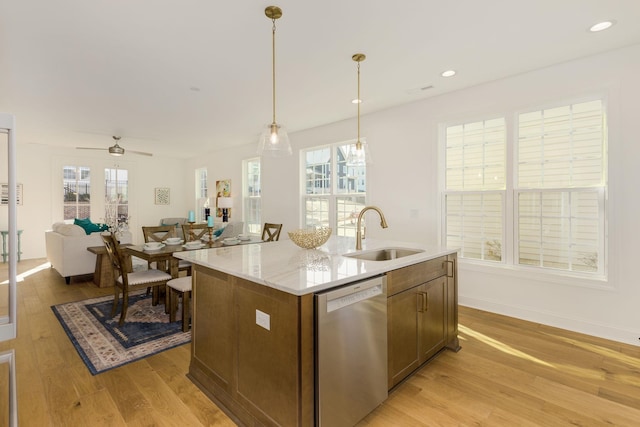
{"x": 116, "y": 149}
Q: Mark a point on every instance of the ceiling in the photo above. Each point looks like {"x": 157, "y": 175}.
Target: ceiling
{"x": 179, "y": 78}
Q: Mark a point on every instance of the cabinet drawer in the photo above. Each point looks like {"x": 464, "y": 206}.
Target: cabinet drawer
{"x": 407, "y": 277}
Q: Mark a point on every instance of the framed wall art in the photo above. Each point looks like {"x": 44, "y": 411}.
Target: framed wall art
{"x": 4, "y": 194}
{"x": 162, "y": 196}
{"x": 223, "y": 189}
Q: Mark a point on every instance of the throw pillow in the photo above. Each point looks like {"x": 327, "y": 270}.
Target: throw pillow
{"x": 89, "y": 227}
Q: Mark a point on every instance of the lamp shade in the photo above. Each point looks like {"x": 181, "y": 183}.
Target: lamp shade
{"x": 359, "y": 154}
{"x": 225, "y": 202}
{"x": 274, "y": 141}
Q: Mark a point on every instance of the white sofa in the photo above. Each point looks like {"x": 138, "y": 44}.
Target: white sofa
{"x": 66, "y": 246}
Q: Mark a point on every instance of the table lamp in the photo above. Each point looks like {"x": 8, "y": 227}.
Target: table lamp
{"x": 225, "y": 203}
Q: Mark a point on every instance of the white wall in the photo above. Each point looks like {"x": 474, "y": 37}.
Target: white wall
{"x": 404, "y": 183}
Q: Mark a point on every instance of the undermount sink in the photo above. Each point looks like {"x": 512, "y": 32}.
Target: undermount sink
{"x": 384, "y": 254}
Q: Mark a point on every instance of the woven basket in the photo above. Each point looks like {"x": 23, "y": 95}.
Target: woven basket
{"x": 309, "y": 238}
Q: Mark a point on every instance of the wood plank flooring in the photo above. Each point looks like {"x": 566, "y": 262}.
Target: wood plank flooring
{"x": 508, "y": 373}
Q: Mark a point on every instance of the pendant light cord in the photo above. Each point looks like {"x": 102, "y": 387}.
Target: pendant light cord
{"x": 273, "y": 67}
{"x": 359, "y": 102}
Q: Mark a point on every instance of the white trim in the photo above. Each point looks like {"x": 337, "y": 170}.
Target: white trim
{"x": 8, "y": 324}
{"x": 9, "y": 357}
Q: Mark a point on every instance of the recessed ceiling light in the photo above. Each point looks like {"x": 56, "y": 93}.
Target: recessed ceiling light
{"x": 448, "y": 73}
{"x": 356, "y": 101}
{"x": 600, "y": 26}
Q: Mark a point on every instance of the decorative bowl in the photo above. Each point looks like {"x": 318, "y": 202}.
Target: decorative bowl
{"x": 153, "y": 245}
{"x": 309, "y": 238}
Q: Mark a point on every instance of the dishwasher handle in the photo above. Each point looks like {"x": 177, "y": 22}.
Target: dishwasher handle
{"x": 354, "y": 293}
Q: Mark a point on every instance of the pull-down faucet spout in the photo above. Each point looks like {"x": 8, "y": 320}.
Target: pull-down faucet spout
{"x": 383, "y": 224}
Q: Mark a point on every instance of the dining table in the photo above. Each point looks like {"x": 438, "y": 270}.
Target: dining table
{"x": 164, "y": 255}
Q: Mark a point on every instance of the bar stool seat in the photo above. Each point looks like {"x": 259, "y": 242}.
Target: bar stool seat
{"x": 175, "y": 288}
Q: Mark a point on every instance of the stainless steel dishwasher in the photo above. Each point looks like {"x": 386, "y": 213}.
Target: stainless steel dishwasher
{"x": 351, "y": 351}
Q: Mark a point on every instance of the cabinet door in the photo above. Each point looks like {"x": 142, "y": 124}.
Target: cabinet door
{"x": 402, "y": 334}
{"x": 268, "y": 353}
{"x": 431, "y": 317}
{"x": 211, "y": 335}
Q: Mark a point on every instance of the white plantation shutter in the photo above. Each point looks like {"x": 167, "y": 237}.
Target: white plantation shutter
{"x": 476, "y": 156}
{"x": 561, "y": 154}
{"x": 562, "y": 147}
{"x": 559, "y": 189}
{"x": 475, "y": 185}
{"x": 560, "y": 229}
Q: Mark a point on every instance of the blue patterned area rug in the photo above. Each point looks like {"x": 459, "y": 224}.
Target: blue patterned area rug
{"x": 103, "y": 344}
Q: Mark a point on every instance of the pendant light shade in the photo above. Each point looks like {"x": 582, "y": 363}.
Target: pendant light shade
{"x": 274, "y": 141}
{"x": 359, "y": 152}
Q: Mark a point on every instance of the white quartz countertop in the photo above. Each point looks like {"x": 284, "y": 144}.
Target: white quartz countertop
{"x": 284, "y": 266}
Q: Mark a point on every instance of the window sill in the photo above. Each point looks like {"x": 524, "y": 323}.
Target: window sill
{"x": 535, "y": 274}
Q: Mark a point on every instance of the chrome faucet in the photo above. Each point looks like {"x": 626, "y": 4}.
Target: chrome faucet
{"x": 383, "y": 224}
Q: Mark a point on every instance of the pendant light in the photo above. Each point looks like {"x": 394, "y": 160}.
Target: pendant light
{"x": 274, "y": 141}
{"x": 359, "y": 153}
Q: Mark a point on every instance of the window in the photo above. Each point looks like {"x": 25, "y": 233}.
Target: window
{"x": 475, "y": 184}
{"x": 252, "y": 196}
{"x": 116, "y": 203}
{"x": 202, "y": 194}
{"x": 561, "y": 187}
{"x": 334, "y": 192}
{"x": 555, "y": 186}
{"x": 77, "y": 192}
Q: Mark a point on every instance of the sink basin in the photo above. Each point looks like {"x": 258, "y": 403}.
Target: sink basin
{"x": 384, "y": 254}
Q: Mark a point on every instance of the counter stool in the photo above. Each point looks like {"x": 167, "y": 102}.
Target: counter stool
{"x": 175, "y": 287}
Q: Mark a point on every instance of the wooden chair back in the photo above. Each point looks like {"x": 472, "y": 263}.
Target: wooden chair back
{"x": 194, "y": 232}
{"x": 271, "y": 232}
{"x": 158, "y": 233}
{"x": 116, "y": 256}
{"x": 121, "y": 262}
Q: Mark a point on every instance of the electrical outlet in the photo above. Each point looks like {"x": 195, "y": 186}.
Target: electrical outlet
{"x": 263, "y": 319}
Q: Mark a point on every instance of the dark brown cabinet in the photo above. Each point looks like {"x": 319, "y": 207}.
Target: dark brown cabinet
{"x": 421, "y": 314}
{"x": 262, "y": 374}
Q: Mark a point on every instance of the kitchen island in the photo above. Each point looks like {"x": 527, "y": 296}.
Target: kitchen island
{"x": 253, "y": 328}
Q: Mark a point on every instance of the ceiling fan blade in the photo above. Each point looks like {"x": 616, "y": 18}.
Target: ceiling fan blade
{"x": 90, "y": 148}
{"x": 142, "y": 153}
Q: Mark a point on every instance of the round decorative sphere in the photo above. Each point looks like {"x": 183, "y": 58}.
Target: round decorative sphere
{"x": 309, "y": 238}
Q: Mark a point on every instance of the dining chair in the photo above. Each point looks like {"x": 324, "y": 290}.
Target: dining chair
{"x": 158, "y": 233}
{"x": 193, "y": 232}
{"x": 128, "y": 281}
{"x": 176, "y": 288}
{"x": 271, "y": 232}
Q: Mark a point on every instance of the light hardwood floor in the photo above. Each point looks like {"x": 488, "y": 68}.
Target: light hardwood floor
{"x": 508, "y": 373}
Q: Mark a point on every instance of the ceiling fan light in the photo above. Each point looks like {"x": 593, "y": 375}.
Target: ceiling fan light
{"x": 116, "y": 150}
